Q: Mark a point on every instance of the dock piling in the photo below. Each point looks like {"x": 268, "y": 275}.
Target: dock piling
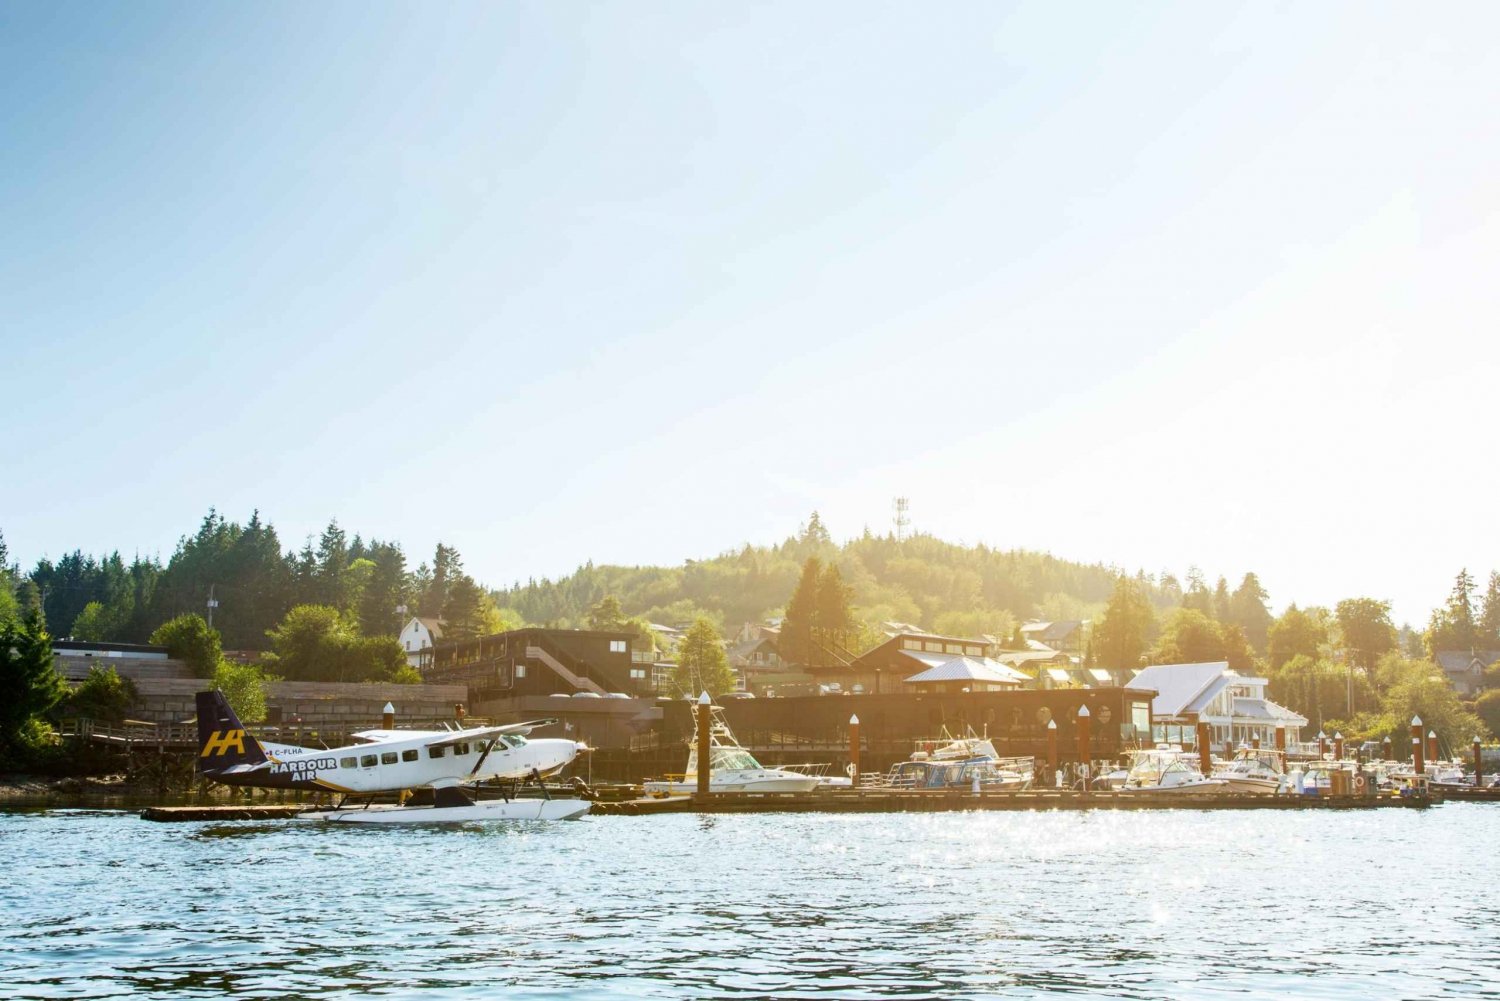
{"x": 1417, "y": 764}
{"x": 1084, "y": 748}
{"x": 705, "y": 745}
{"x": 1478, "y": 764}
{"x": 1054, "y": 767}
{"x": 854, "y": 751}
{"x": 1205, "y": 753}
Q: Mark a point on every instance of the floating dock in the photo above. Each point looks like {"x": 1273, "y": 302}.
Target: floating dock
{"x": 942, "y": 800}
{"x": 283, "y": 811}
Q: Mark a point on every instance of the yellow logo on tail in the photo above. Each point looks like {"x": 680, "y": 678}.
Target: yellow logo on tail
{"x": 220, "y": 741}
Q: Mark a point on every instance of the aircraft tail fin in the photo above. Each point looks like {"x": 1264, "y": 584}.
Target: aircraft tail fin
{"x": 222, "y": 739}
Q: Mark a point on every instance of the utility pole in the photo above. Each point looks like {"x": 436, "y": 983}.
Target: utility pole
{"x": 212, "y": 604}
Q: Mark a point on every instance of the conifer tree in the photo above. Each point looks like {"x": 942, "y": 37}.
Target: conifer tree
{"x": 797, "y": 637}
{"x": 30, "y": 686}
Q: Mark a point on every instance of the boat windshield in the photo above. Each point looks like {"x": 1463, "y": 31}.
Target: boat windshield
{"x": 733, "y": 759}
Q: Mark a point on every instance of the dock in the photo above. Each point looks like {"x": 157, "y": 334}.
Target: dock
{"x": 944, "y": 800}
{"x": 181, "y": 814}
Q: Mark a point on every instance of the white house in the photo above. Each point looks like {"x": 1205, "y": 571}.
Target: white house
{"x": 419, "y": 635}
{"x": 1234, "y": 706}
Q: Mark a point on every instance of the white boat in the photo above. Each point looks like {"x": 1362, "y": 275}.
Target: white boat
{"x": 957, "y": 762}
{"x": 498, "y": 809}
{"x": 731, "y": 768}
{"x": 1258, "y": 771}
{"x": 1166, "y": 770}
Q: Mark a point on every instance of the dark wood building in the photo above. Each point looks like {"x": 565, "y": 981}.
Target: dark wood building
{"x": 816, "y": 728}
{"x": 540, "y": 662}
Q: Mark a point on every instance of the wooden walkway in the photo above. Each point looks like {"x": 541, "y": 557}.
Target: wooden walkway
{"x": 938, "y": 801}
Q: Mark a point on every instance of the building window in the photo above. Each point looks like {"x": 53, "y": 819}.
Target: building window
{"x": 974, "y": 651}
{"x": 637, "y": 672}
{"x": 911, "y": 644}
{"x": 617, "y": 646}
{"x": 953, "y": 648}
{"x": 520, "y": 670}
{"x": 934, "y": 647}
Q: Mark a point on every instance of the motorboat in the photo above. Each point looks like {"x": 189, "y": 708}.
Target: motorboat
{"x": 1258, "y": 771}
{"x": 958, "y": 762}
{"x": 731, "y": 768}
{"x": 1166, "y": 770}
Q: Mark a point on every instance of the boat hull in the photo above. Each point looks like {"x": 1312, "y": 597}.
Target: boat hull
{"x": 516, "y": 809}
{"x": 780, "y": 784}
{"x": 1207, "y": 787}
{"x": 1251, "y": 786}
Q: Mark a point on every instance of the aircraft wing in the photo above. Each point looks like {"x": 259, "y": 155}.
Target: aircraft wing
{"x": 487, "y": 732}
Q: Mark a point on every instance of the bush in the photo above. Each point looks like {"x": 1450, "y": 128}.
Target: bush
{"x": 104, "y": 695}
{"x": 244, "y": 685}
{"x": 408, "y": 675}
{"x": 1487, "y": 708}
{"x": 189, "y": 639}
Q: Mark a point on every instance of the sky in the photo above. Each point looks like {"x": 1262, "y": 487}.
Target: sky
{"x": 1154, "y": 285}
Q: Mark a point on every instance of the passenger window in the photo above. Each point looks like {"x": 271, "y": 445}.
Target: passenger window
{"x": 348, "y": 762}
{"x": 388, "y": 758}
{"x": 461, "y": 748}
{"x": 436, "y": 752}
{"x": 409, "y": 755}
{"x": 367, "y": 761}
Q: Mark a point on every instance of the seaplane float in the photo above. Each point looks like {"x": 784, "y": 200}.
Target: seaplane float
{"x": 393, "y": 761}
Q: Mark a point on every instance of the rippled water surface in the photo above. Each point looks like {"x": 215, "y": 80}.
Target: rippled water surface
{"x": 1389, "y": 903}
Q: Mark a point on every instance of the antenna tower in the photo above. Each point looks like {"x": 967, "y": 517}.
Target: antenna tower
{"x": 902, "y": 519}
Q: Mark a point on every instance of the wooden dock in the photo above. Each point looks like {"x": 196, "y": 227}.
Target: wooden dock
{"x": 942, "y": 800}
{"x": 179, "y": 814}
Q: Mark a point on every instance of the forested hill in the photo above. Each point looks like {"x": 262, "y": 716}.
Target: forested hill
{"x": 939, "y": 585}
{"x": 256, "y": 581}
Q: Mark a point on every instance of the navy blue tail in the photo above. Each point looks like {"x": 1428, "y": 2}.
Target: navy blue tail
{"x": 222, "y": 740}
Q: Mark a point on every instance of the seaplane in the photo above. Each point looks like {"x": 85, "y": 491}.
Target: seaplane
{"x": 389, "y": 760}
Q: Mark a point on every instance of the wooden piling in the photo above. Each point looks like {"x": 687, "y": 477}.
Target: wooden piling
{"x": 1338, "y": 746}
{"x": 1478, "y": 764}
{"x": 1053, "y": 764}
{"x": 854, "y": 751}
{"x": 705, "y": 744}
{"x": 1417, "y": 764}
{"x": 1205, "y": 753}
{"x": 1255, "y": 741}
{"x": 1432, "y": 748}
{"x": 1085, "y": 749}
{"x": 1385, "y": 748}
{"x": 1322, "y": 744}
{"x": 1281, "y": 739}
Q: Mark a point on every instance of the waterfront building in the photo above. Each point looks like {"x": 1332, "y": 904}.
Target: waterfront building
{"x": 1233, "y": 705}
{"x": 542, "y": 662}
{"x": 419, "y": 636}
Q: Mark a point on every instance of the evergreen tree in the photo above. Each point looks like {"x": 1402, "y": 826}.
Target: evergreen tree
{"x": 1489, "y": 614}
{"x": 1247, "y": 609}
{"x": 1196, "y": 595}
{"x": 833, "y": 616}
{"x": 446, "y": 566}
{"x": 386, "y": 589}
{"x": 701, "y": 663}
{"x": 30, "y": 686}
{"x": 607, "y": 615}
{"x": 798, "y": 624}
{"x": 1453, "y": 627}
{"x": 1123, "y": 632}
{"x": 464, "y": 611}
{"x": 1221, "y": 611}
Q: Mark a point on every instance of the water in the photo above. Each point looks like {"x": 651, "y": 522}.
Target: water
{"x": 1179, "y": 904}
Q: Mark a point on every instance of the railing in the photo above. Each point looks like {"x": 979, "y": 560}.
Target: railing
{"x": 537, "y": 653}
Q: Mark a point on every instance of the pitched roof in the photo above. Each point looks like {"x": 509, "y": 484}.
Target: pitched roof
{"x": 1267, "y": 710}
{"x": 432, "y": 625}
{"x": 1458, "y": 661}
{"x": 1182, "y": 687}
{"x": 958, "y": 668}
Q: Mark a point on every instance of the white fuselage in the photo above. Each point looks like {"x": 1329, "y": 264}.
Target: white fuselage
{"x": 391, "y": 760}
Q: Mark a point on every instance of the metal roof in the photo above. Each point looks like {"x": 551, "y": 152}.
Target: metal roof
{"x": 967, "y": 669}
{"x": 1181, "y": 687}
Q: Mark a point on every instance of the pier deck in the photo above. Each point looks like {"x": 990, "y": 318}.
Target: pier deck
{"x": 935, "y": 801}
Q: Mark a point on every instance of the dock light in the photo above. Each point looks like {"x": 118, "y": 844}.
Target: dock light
{"x": 388, "y": 717}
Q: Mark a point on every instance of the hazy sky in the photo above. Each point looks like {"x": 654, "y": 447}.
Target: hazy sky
{"x": 1152, "y": 284}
